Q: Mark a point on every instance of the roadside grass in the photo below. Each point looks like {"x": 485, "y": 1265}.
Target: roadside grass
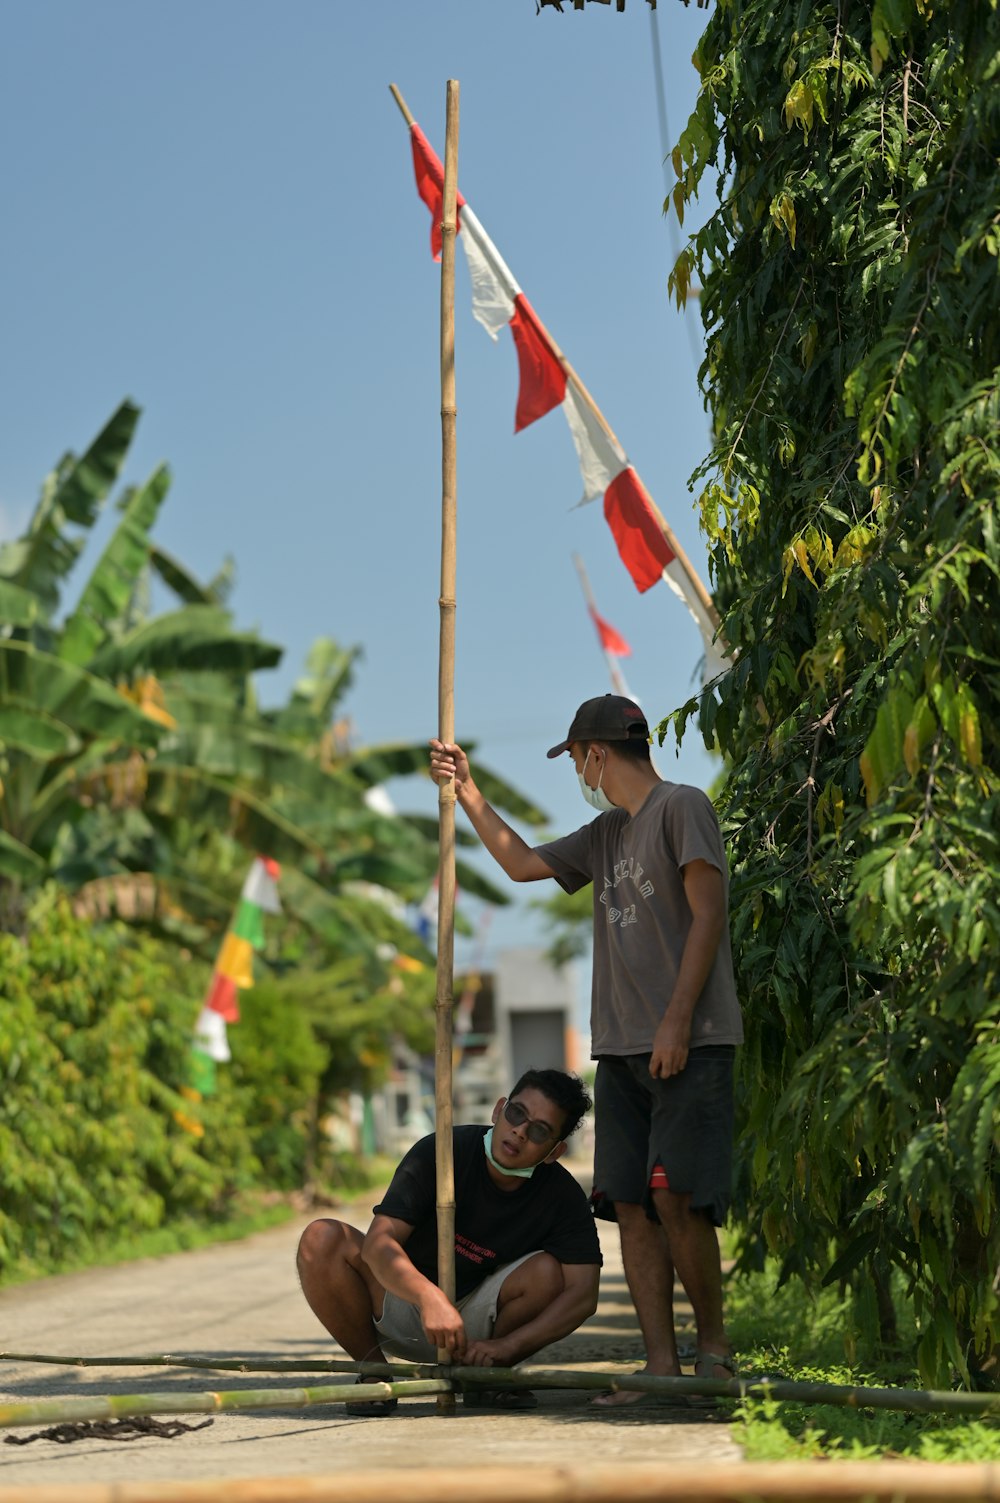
{"x": 805, "y": 1338}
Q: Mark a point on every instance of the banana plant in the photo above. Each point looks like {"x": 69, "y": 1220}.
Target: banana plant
{"x": 138, "y": 767}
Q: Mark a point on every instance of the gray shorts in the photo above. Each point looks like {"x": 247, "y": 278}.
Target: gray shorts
{"x": 675, "y": 1133}
{"x": 400, "y": 1333}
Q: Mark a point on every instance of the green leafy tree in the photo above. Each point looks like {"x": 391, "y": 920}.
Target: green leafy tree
{"x": 850, "y": 299}
{"x": 138, "y": 766}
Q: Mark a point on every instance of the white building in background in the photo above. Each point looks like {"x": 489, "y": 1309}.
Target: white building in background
{"x": 521, "y": 1015}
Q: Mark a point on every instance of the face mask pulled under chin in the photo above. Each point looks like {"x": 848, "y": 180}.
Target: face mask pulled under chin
{"x": 595, "y": 797}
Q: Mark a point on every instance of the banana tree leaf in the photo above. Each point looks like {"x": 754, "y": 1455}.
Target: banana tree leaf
{"x": 75, "y": 492}
{"x": 32, "y": 731}
{"x": 165, "y": 903}
{"x": 502, "y": 796}
{"x": 476, "y": 885}
{"x": 191, "y": 707}
{"x": 338, "y": 919}
{"x": 18, "y": 607}
{"x": 188, "y": 792}
{"x": 84, "y": 483}
{"x": 221, "y": 584}
{"x": 377, "y": 764}
{"x": 71, "y": 694}
{"x": 179, "y": 579}
{"x": 18, "y": 861}
{"x": 237, "y": 750}
{"x": 110, "y": 586}
{"x": 393, "y": 871}
{"x": 313, "y": 700}
{"x": 428, "y": 825}
{"x": 197, "y": 636}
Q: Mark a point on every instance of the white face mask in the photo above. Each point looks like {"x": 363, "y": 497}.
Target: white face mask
{"x": 510, "y": 1173}
{"x": 596, "y": 797}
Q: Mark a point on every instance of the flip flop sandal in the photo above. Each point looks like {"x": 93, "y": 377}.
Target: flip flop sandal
{"x": 371, "y": 1408}
{"x": 499, "y": 1398}
{"x": 708, "y": 1360}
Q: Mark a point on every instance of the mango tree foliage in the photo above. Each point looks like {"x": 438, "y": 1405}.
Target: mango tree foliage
{"x": 851, "y": 300}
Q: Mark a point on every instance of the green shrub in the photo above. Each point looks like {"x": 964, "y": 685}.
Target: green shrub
{"x": 97, "y": 1138}
{"x": 277, "y": 1064}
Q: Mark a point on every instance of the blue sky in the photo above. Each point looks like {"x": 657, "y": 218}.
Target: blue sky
{"x": 210, "y": 208}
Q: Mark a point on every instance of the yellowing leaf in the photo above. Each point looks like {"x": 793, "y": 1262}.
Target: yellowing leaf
{"x": 799, "y": 104}
{"x": 969, "y": 737}
{"x": 783, "y": 214}
{"x": 802, "y": 557}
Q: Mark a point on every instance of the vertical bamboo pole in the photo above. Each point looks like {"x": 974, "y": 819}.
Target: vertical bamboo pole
{"x": 446, "y": 732}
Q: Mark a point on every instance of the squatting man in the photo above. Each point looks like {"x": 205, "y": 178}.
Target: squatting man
{"x": 527, "y": 1258}
{"x": 664, "y": 1014}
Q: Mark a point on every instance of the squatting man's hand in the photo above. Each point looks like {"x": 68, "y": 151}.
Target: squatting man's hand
{"x": 442, "y": 1322}
{"x": 492, "y": 1353}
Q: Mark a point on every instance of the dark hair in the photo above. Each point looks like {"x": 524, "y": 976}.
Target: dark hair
{"x": 567, "y": 1092}
{"x": 635, "y": 748}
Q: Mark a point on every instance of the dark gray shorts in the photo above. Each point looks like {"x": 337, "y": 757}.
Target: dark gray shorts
{"x": 677, "y": 1133}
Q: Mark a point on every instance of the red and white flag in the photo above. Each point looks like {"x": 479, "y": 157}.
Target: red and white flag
{"x": 497, "y": 300}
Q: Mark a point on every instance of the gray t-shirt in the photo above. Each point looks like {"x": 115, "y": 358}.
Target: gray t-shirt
{"x": 642, "y": 917}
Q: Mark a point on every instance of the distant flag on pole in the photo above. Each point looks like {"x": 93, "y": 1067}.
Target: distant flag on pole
{"x": 613, "y": 644}
{"x": 611, "y": 640}
{"x": 545, "y": 383}
{"x": 233, "y": 972}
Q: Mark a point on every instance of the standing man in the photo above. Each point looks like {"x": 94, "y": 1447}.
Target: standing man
{"x": 527, "y": 1259}
{"x": 664, "y": 1015}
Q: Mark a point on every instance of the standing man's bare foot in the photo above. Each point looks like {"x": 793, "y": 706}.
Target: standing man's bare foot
{"x": 623, "y": 1398}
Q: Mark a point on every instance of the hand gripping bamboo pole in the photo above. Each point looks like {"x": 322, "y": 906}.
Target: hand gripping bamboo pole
{"x": 446, "y": 732}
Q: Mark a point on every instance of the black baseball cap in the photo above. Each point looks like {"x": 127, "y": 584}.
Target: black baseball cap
{"x": 609, "y": 717}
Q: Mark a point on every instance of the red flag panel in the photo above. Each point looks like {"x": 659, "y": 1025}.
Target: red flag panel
{"x": 611, "y": 640}
{"x": 644, "y": 550}
{"x": 222, "y": 998}
{"x": 543, "y": 380}
{"x": 430, "y": 185}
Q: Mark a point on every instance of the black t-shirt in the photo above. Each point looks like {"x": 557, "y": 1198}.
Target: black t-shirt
{"x": 546, "y": 1213}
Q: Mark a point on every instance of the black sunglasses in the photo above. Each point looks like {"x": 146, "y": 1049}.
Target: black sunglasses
{"x": 517, "y": 1117}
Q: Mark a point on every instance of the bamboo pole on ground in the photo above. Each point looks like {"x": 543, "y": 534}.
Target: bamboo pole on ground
{"x": 128, "y": 1405}
{"x": 236, "y": 1364}
{"x": 782, "y": 1390}
{"x": 444, "y": 1020}
{"x": 640, "y": 1482}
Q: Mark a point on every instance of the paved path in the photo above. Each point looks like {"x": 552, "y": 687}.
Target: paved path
{"x": 242, "y": 1299}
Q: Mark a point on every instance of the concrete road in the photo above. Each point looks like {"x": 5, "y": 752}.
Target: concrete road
{"x": 243, "y": 1300}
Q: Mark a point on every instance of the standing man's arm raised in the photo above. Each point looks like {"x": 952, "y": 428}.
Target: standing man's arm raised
{"x": 517, "y": 858}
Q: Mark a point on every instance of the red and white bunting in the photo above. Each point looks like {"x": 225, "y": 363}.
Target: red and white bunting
{"x": 545, "y": 383}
